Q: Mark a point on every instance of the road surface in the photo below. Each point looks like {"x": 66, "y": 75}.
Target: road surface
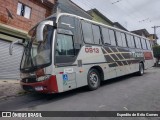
{"x": 128, "y": 93}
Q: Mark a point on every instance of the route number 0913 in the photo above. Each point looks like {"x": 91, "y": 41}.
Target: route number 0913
{"x": 91, "y": 50}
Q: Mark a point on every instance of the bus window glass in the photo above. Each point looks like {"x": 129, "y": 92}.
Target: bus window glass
{"x": 119, "y": 40}
{"x": 145, "y": 43}
{"x": 112, "y": 37}
{"x": 96, "y": 34}
{"x": 139, "y": 41}
{"x": 87, "y": 32}
{"x": 144, "y": 46}
{"x": 148, "y": 45}
{"x": 67, "y": 22}
{"x": 132, "y": 41}
{"x": 136, "y": 41}
{"x": 129, "y": 40}
{"x": 151, "y": 43}
{"x": 64, "y": 45}
{"x": 105, "y": 34}
{"x": 124, "y": 44}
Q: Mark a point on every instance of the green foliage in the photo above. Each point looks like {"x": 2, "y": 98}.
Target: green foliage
{"x": 156, "y": 51}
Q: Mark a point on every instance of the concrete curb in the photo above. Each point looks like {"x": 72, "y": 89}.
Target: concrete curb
{"x": 10, "y": 88}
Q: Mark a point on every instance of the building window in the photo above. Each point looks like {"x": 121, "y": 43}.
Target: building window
{"x": 23, "y": 10}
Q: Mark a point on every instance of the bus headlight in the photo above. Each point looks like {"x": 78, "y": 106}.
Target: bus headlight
{"x": 42, "y": 78}
{"x": 24, "y": 75}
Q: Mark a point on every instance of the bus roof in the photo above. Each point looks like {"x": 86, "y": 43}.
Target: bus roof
{"x": 101, "y": 24}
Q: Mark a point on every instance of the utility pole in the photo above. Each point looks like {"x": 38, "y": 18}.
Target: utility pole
{"x": 155, "y": 28}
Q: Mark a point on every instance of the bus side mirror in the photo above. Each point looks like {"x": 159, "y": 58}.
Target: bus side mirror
{"x": 40, "y": 29}
{"x": 11, "y": 46}
{"x": 39, "y": 32}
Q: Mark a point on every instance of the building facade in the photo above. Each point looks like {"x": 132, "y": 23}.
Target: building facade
{"x": 153, "y": 38}
{"x": 16, "y": 18}
{"x": 68, "y": 6}
{"x": 99, "y": 17}
{"x": 145, "y": 33}
{"x": 141, "y": 32}
{"x": 119, "y": 26}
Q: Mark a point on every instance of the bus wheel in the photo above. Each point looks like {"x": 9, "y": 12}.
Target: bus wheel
{"x": 141, "y": 69}
{"x": 93, "y": 79}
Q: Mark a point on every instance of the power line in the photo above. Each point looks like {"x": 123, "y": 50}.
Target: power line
{"x": 116, "y": 1}
{"x": 90, "y": 5}
{"x": 133, "y": 17}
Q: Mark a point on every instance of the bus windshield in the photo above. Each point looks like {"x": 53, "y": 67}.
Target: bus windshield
{"x": 37, "y": 54}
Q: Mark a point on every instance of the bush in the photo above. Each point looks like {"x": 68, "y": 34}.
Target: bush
{"x": 156, "y": 52}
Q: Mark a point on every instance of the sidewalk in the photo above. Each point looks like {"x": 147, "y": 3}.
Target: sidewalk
{"x": 10, "y": 88}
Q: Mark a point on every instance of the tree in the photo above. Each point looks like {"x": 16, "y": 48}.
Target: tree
{"x": 156, "y": 52}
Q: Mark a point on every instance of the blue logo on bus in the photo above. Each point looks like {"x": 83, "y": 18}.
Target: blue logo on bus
{"x": 65, "y": 77}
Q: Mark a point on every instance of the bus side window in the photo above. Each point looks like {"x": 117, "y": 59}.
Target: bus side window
{"x": 124, "y": 44}
{"x": 105, "y": 34}
{"x": 96, "y": 34}
{"x": 129, "y": 41}
{"x": 112, "y": 37}
{"x": 148, "y": 45}
{"x": 64, "y": 45}
{"x": 67, "y": 22}
{"x": 87, "y": 32}
{"x": 119, "y": 39}
{"x": 143, "y": 43}
{"x": 132, "y": 41}
{"x": 138, "y": 42}
{"x": 78, "y": 38}
{"x": 74, "y": 25}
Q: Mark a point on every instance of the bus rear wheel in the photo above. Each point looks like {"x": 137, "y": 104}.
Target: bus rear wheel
{"x": 93, "y": 79}
{"x": 141, "y": 69}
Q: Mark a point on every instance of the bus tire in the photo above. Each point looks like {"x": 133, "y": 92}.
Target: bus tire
{"x": 141, "y": 69}
{"x": 93, "y": 79}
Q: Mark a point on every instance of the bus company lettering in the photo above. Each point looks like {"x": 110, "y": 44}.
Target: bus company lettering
{"x": 137, "y": 54}
{"x": 91, "y": 50}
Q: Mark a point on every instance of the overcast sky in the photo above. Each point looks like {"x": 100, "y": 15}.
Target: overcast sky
{"x": 132, "y": 14}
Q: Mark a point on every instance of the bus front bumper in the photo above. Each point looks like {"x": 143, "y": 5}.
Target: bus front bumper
{"x": 46, "y": 86}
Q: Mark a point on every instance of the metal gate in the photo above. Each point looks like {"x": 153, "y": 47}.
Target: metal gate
{"x": 10, "y": 64}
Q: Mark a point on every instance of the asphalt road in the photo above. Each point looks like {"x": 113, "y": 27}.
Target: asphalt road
{"x": 128, "y": 93}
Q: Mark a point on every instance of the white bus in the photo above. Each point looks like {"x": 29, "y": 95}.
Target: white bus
{"x": 66, "y": 51}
